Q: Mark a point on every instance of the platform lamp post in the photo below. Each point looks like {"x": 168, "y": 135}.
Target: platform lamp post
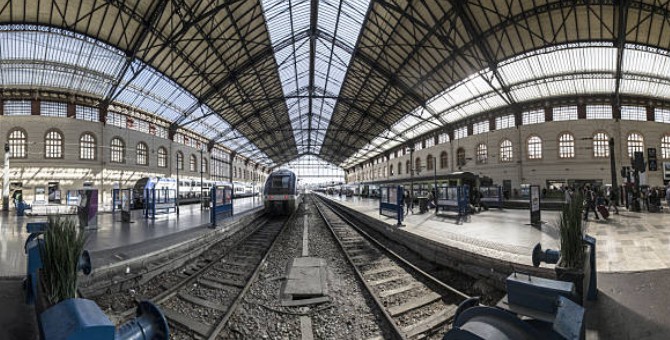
{"x": 411, "y": 170}
{"x": 5, "y": 181}
{"x": 177, "y": 198}
{"x": 201, "y": 182}
{"x": 615, "y": 184}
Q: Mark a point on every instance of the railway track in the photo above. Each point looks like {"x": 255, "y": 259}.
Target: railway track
{"x": 415, "y": 304}
{"x": 200, "y": 297}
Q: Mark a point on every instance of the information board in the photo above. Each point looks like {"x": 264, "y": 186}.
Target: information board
{"x": 535, "y": 216}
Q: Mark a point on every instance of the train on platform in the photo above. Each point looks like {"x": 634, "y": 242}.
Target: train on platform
{"x": 281, "y": 195}
{"x": 190, "y": 191}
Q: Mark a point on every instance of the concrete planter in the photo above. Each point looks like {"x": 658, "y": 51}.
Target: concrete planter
{"x": 579, "y": 276}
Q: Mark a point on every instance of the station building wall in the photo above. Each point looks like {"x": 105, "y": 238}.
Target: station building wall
{"x": 71, "y": 172}
{"x": 522, "y": 170}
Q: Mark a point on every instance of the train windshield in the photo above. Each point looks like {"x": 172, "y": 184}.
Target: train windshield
{"x": 280, "y": 182}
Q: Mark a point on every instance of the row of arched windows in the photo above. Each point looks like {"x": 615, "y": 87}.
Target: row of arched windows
{"x": 53, "y": 148}
{"x": 534, "y": 150}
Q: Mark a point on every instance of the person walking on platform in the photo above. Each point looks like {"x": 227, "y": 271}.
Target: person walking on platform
{"x": 667, "y": 195}
{"x": 408, "y": 202}
{"x": 613, "y": 199}
{"x": 589, "y": 203}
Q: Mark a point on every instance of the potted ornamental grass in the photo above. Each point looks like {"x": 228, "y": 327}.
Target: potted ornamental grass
{"x": 63, "y": 246}
{"x": 572, "y": 265}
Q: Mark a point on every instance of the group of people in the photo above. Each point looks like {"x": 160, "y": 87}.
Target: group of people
{"x": 649, "y": 198}
{"x": 408, "y": 201}
{"x": 593, "y": 199}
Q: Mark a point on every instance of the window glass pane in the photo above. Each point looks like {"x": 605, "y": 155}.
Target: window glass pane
{"x": 534, "y": 147}
{"x": 461, "y": 132}
{"x": 601, "y": 147}
{"x": 533, "y": 117}
{"x": 480, "y": 127}
{"x": 162, "y": 157}
{"x": 635, "y": 143}
{"x": 53, "y": 109}
{"x": 443, "y": 138}
{"x": 634, "y": 113}
{"x": 506, "y": 151}
{"x": 566, "y": 146}
{"x": 562, "y": 113}
{"x": 430, "y": 142}
{"x": 53, "y": 145}
{"x": 17, "y": 108}
{"x": 665, "y": 147}
{"x": 17, "y": 144}
{"x": 598, "y": 111}
{"x": 116, "y": 119}
{"x": 87, "y": 147}
{"x": 482, "y": 155}
{"x": 662, "y": 115}
{"x": 505, "y": 122}
{"x": 87, "y": 113}
{"x": 142, "y": 155}
{"x": 117, "y": 151}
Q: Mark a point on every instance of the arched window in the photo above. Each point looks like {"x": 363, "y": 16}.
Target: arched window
{"x": 180, "y": 160}
{"x": 234, "y": 172}
{"x": 162, "y": 157}
{"x": 482, "y": 154}
{"x": 203, "y": 166}
{"x": 87, "y": 146}
{"x": 601, "y": 148}
{"x": 443, "y": 160}
{"x": 391, "y": 170}
{"x": 460, "y": 157}
{"x": 430, "y": 163}
{"x": 635, "y": 143}
{"x": 193, "y": 164}
{"x": 399, "y": 168}
{"x": 665, "y": 147}
{"x": 408, "y": 167}
{"x": 117, "y": 151}
{"x": 534, "y": 146}
{"x": 53, "y": 144}
{"x": 566, "y": 146}
{"x": 141, "y": 153}
{"x": 417, "y": 165}
{"x": 17, "y": 144}
{"x": 506, "y": 151}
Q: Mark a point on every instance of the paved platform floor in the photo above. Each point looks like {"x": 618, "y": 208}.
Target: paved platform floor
{"x": 111, "y": 233}
{"x": 625, "y": 242}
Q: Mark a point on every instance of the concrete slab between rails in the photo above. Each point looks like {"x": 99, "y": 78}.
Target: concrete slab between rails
{"x": 116, "y": 269}
{"x": 306, "y": 278}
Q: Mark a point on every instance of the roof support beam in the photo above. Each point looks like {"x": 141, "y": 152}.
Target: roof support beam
{"x": 620, "y": 44}
{"x": 314, "y": 17}
{"x": 474, "y": 32}
{"x": 131, "y": 55}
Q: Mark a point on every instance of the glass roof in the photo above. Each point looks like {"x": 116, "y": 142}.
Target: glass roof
{"x": 290, "y": 20}
{"x": 55, "y": 59}
{"x": 574, "y": 69}
{"x": 312, "y": 169}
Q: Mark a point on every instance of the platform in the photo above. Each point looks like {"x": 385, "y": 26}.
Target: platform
{"x": 626, "y": 242}
{"x": 114, "y": 240}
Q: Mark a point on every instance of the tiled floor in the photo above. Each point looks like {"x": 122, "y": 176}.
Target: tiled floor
{"x": 626, "y": 242}
{"x": 111, "y": 232}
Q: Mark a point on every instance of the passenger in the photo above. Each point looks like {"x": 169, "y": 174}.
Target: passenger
{"x": 567, "y": 194}
{"x": 408, "y": 202}
{"x": 589, "y": 203}
{"x": 613, "y": 199}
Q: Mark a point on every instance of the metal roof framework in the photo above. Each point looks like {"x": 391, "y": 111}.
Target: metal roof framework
{"x": 314, "y": 89}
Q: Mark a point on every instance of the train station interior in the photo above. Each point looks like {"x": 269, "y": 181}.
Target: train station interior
{"x": 335, "y": 169}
